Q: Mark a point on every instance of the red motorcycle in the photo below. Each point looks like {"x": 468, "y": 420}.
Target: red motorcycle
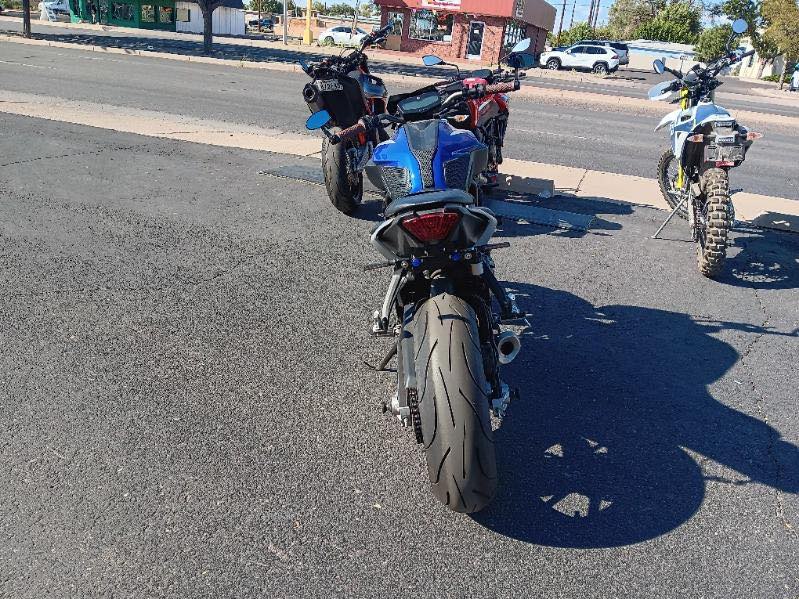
{"x": 486, "y": 117}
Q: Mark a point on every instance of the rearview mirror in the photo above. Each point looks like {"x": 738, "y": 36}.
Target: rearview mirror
{"x": 317, "y": 120}
{"x": 520, "y": 60}
{"x": 521, "y": 46}
{"x": 659, "y": 67}
{"x": 431, "y": 60}
{"x": 739, "y": 26}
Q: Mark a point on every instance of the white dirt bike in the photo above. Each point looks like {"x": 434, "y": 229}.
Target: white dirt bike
{"x": 706, "y": 141}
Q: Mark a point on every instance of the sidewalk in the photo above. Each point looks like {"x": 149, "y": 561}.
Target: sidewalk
{"x": 517, "y": 175}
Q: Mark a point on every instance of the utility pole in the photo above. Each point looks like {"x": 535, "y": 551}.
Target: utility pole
{"x": 591, "y": 14}
{"x": 26, "y": 18}
{"x": 560, "y": 27}
{"x": 285, "y": 22}
{"x": 571, "y": 23}
{"x": 308, "y": 37}
{"x": 259, "y": 15}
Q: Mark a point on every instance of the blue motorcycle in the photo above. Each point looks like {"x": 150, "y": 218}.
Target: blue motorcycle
{"x": 439, "y": 304}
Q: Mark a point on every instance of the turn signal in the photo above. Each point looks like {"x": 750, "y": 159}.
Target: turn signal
{"x": 698, "y": 138}
{"x": 459, "y": 118}
{"x": 432, "y": 227}
{"x": 753, "y": 135}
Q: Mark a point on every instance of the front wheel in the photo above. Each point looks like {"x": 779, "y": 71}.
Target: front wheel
{"x": 713, "y": 222}
{"x": 553, "y": 64}
{"x": 454, "y": 404}
{"x": 667, "y": 179}
{"x": 344, "y": 188}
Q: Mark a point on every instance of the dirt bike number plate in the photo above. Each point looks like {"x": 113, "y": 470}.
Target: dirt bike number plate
{"x": 331, "y": 85}
{"x": 724, "y": 153}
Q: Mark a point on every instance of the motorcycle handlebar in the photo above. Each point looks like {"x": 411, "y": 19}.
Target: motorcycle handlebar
{"x": 502, "y": 88}
{"x": 349, "y": 133}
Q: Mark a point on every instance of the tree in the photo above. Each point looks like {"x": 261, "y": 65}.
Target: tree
{"x": 752, "y": 12}
{"x": 783, "y": 29}
{"x": 581, "y": 31}
{"x": 625, "y": 16}
{"x": 678, "y": 22}
{"x": 341, "y": 10}
{"x": 26, "y": 18}
{"x": 369, "y": 9}
{"x": 207, "y": 8}
{"x": 712, "y": 42}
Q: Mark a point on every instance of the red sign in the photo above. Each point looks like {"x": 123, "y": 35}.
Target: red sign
{"x": 442, "y": 4}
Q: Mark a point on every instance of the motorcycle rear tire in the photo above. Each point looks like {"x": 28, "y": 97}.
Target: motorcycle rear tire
{"x": 344, "y": 190}
{"x": 711, "y": 250}
{"x": 454, "y": 404}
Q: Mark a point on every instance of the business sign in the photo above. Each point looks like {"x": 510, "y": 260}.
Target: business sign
{"x": 442, "y": 4}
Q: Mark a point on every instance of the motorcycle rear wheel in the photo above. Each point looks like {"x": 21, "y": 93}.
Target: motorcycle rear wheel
{"x": 454, "y": 404}
{"x": 711, "y": 250}
{"x": 344, "y": 189}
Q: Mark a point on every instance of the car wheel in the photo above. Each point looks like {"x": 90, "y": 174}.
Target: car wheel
{"x": 600, "y": 68}
{"x": 328, "y": 41}
{"x": 553, "y": 64}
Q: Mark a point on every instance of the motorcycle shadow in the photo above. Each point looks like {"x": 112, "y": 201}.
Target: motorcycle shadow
{"x": 614, "y": 399}
{"x": 762, "y": 259}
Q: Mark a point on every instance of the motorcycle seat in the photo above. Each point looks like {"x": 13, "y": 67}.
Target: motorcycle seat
{"x": 428, "y": 199}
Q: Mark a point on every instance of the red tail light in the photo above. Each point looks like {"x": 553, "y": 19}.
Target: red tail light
{"x": 431, "y": 228}
{"x": 615, "y": 56}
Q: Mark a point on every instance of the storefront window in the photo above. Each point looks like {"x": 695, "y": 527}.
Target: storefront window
{"x": 147, "y": 13}
{"x": 184, "y": 15}
{"x": 431, "y": 25}
{"x": 122, "y": 12}
{"x": 514, "y": 33}
{"x": 396, "y": 18}
{"x": 165, "y": 14}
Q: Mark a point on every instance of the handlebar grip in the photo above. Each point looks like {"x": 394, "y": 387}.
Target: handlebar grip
{"x": 349, "y": 133}
{"x": 502, "y": 88}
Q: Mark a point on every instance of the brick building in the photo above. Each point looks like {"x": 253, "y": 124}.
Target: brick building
{"x": 466, "y": 29}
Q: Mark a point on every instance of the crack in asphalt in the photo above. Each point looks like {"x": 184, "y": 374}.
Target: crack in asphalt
{"x": 73, "y": 154}
{"x": 773, "y": 435}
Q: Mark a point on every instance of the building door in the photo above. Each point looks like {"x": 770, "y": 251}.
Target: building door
{"x": 475, "y": 45}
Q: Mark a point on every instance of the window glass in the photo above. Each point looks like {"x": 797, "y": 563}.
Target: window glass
{"x": 596, "y": 51}
{"x": 147, "y": 13}
{"x": 165, "y": 14}
{"x": 578, "y": 50}
{"x": 397, "y": 18}
{"x": 122, "y": 12}
{"x": 514, "y": 33}
{"x": 431, "y": 25}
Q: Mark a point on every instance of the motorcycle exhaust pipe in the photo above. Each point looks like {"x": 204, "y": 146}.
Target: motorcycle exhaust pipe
{"x": 508, "y": 346}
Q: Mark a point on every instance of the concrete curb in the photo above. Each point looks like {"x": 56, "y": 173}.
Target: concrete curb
{"x": 517, "y": 175}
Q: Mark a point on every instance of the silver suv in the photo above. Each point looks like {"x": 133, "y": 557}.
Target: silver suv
{"x": 622, "y": 49}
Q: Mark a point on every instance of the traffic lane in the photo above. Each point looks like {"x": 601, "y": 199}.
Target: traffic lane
{"x": 186, "y": 407}
{"x": 626, "y": 144}
{"x": 555, "y": 132}
{"x": 135, "y": 41}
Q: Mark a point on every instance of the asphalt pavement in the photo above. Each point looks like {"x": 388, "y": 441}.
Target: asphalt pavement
{"x": 186, "y": 412}
{"x": 552, "y": 132}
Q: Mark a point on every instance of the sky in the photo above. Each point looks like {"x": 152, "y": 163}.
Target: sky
{"x": 580, "y": 9}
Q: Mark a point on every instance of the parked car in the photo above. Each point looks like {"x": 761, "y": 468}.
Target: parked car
{"x": 342, "y": 35}
{"x": 267, "y": 24}
{"x": 597, "y": 59}
{"x": 622, "y": 49}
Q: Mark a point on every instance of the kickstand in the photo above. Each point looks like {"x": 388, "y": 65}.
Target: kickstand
{"x": 382, "y": 366}
{"x": 666, "y": 222}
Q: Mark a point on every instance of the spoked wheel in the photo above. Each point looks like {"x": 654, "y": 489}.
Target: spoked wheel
{"x": 600, "y": 68}
{"x": 553, "y": 64}
{"x": 667, "y": 178}
{"x": 714, "y": 220}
